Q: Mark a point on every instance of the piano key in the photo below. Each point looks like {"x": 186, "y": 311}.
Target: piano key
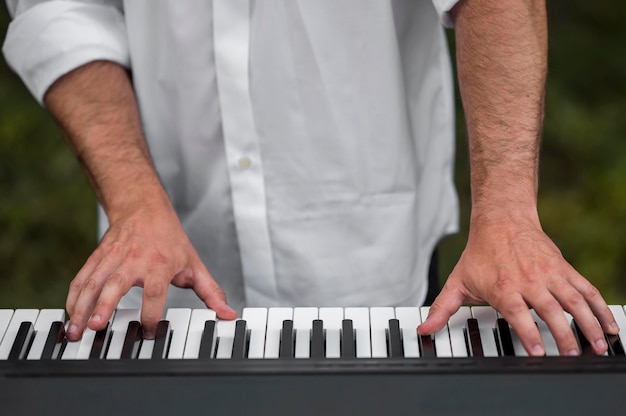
{"x": 348, "y": 347}
{"x": 208, "y": 341}
{"x": 486, "y": 317}
{"x": 132, "y": 341}
{"x": 256, "y": 322}
{"x": 42, "y": 327}
{"x": 275, "y": 318}
{"x": 240, "y": 341}
{"x": 427, "y": 346}
{"x": 585, "y": 347}
{"x": 162, "y": 339}
{"x": 100, "y": 342}
{"x": 549, "y": 343}
{"x": 409, "y": 318}
{"x": 54, "y": 341}
{"x": 615, "y": 342}
{"x": 456, "y": 329}
{"x": 286, "y": 340}
{"x": 441, "y": 338}
{"x": 394, "y": 340}
{"x": 18, "y": 316}
{"x": 317, "y": 339}
{"x": 360, "y": 318}
{"x": 179, "y": 325}
{"x": 195, "y": 333}
{"x": 332, "y": 318}
{"x": 118, "y": 331}
{"x": 5, "y": 319}
{"x": 504, "y": 338}
{"x": 518, "y": 347}
{"x": 22, "y": 341}
{"x": 473, "y": 336}
{"x": 379, "y": 321}
{"x": 81, "y": 349}
{"x": 225, "y": 338}
{"x": 302, "y": 325}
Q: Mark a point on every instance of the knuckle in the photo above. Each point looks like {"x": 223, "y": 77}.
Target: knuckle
{"x": 591, "y": 292}
{"x": 154, "y": 290}
{"x": 116, "y": 279}
{"x": 91, "y": 285}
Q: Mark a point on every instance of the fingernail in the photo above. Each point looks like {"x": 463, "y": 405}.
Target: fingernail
{"x": 95, "y": 318}
{"x": 600, "y": 344}
{"x": 573, "y": 353}
{"x": 537, "y": 351}
{"x": 148, "y": 334}
{"x": 614, "y": 327}
{"x": 72, "y": 330}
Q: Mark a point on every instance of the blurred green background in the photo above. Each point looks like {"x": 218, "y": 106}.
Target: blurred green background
{"x": 48, "y": 212}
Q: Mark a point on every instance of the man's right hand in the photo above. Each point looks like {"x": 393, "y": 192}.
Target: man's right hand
{"x": 145, "y": 245}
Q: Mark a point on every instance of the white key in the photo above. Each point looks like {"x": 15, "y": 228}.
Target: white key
{"x": 379, "y": 323}
{"x": 518, "y": 348}
{"x": 409, "y": 318}
{"x": 194, "y": 334}
{"x": 275, "y": 318}
{"x": 42, "y": 326}
{"x": 256, "y": 322}
{"x": 332, "y": 318}
{"x": 19, "y": 316}
{"x": 179, "y": 324}
{"x": 146, "y": 349}
{"x": 361, "y": 323}
{"x": 620, "y": 317}
{"x": 86, "y": 342}
{"x": 442, "y": 337}
{"x": 5, "y": 318}
{"x": 118, "y": 331}
{"x": 456, "y": 328}
{"x": 549, "y": 344}
{"x": 303, "y": 325}
{"x": 226, "y": 337}
{"x": 486, "y": 317}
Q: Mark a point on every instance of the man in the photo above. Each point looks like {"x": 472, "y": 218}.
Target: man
{"x": 304, "y": 148}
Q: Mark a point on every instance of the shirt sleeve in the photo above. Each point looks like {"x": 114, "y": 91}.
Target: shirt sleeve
{"x": 443, "y": 8}
{"x": 48, "y": 39}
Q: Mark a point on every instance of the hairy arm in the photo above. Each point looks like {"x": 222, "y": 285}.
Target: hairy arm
{"x": 145, "y": 244}
{"x": 509, "y": 262}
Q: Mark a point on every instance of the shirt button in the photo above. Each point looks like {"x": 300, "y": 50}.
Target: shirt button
{"x": 245, "y": 163}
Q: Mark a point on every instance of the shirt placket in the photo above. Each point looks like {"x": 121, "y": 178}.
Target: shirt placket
{"x": 231, "y": 23}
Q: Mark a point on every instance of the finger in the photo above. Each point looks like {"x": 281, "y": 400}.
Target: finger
{"x": 516, "y": 312}
{"x": 445, "y": 305}
{"x": 551, "y": 311}
{"x": 575, "y": 303}
{"x": 115, "y": 286}
{"x": 154, "y": 297}
{"x": 212, "y": 294}
{"x": 596, "y": 302}
{"x": 79, "y": 280}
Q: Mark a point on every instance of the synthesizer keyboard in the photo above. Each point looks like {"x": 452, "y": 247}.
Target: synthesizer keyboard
{"x": 300, "y": 361}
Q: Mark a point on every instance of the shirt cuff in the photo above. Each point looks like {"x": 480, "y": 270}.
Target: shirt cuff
{"x": 443, "y": 8}
{"x": 51, "y": 39}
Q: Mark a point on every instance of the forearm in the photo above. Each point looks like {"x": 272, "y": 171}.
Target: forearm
{"x": 96, "y": 108}
{"x": 502, "y": 60}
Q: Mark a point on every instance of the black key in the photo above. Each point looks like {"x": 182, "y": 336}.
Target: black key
{"x": 427, "y": 346}
{"x": 473, "y": 335}
{"x": 286, "y": 340}
{"x": 132, "y": 341}
{"x": 240, "y": 341}
{"x": 585, "y": 347}
{"x": 208, "y": 341}
{"x": 162, "y": 338}
{"x": 54, "y": 341}
{"x": 394, "y": 339}
{"x": 22, "y": 341}
{"x": 317, "y": 339}
{"x": 504, "y": 338}
{"x": 615, "y": 345}
{"x": 348, "y": 347}
{"x": 100, "y": 344}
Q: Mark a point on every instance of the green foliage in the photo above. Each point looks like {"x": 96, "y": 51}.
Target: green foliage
{"x": 48, "y": 214}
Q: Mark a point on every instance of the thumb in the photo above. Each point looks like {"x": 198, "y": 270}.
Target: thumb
{"x": 445, "y": 305}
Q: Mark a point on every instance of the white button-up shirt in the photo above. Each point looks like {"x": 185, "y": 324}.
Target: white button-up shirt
{"x": 307, "y": 145}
